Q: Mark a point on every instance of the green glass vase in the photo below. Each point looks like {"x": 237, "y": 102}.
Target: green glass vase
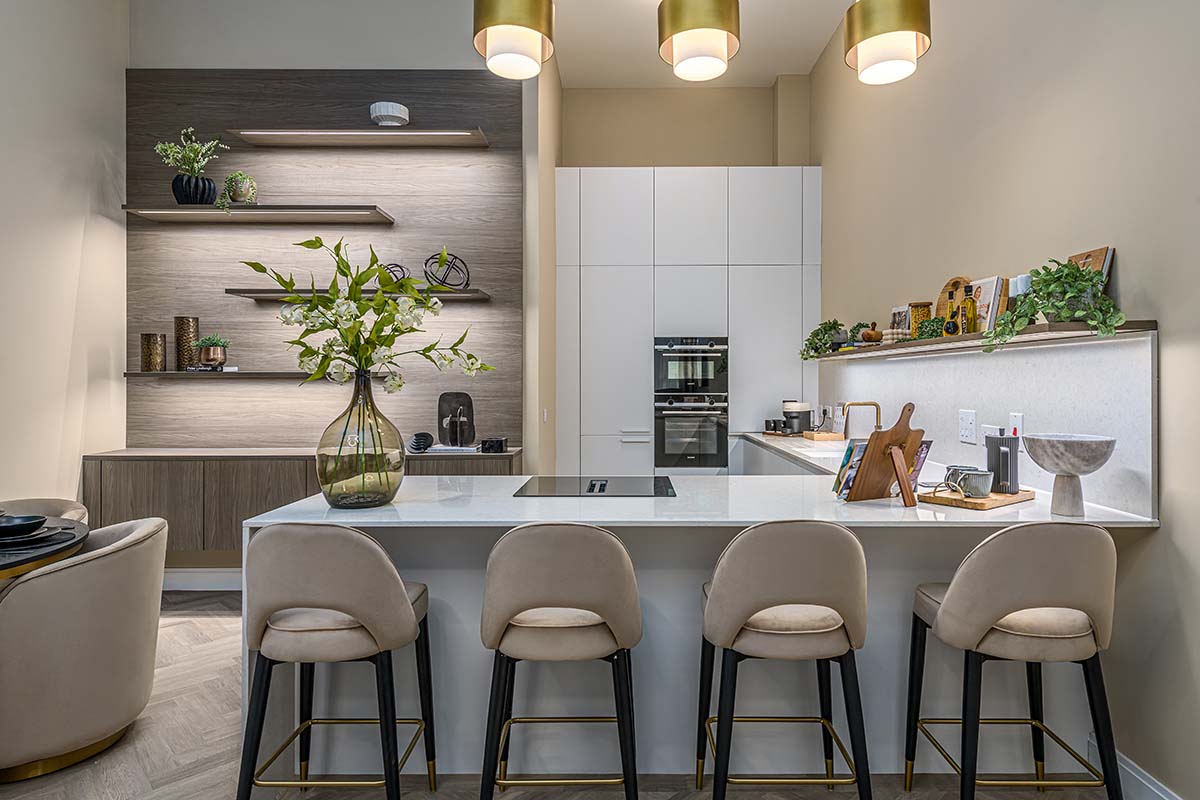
{"x": 360, "y": 458}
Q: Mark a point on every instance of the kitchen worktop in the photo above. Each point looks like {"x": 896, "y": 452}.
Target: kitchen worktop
{"x": 825, "y": 456}
{"x": 709, "y": 501}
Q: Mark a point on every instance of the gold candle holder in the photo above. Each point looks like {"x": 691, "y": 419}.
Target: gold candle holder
{"x": 187, "y": 333}
{"x": 154, "y": 352}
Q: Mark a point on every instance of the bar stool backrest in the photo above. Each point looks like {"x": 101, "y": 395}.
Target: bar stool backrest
{"x": 1038, "y": 565}
{"x": 780, "y": 563}
{"x": 561, "y": 565}
{"x": 331, "y": 567}
{"x": 46, "y": 507}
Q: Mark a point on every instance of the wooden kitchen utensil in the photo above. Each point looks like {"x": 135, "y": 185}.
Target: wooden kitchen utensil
{"x": 889, "y": 456}
{"x": 945, "y": 305}
{"x": 824, "y": 436}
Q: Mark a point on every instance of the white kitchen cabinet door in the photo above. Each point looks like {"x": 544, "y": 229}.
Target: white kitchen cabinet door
{"x": 566, "y": 375}
{"x": 766, "y": 333}
{"x": 616, "y": 216}
{"x": 811, "y": 318}
{"x": 766, "y": 215}
{"x": 691, "y": 301}
{"x": 812, "y": 215}
{"x": 617, "y": 456}
{"x": 691, "y": 215}
{"x": 616, "y": 353}
{"x": 566, "y": 223}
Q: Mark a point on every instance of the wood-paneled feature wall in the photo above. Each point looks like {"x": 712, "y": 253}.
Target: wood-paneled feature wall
{"x": 467, "y": 199}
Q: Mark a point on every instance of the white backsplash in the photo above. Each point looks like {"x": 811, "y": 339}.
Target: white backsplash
{"x": 1104, "y": 387}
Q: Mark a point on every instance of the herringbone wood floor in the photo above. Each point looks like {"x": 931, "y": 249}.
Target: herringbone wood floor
{"x": 185, "y": 746}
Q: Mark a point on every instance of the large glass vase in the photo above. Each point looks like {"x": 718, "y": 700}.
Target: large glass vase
{"x": 360, "y": 459}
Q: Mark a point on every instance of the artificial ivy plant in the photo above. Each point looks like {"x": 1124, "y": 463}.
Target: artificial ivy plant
{"x": 1062, "y": 293}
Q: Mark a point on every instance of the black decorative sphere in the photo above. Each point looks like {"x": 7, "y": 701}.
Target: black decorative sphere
{"x": 454, "y": 273}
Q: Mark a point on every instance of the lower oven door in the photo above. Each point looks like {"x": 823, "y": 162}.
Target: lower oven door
{"x": 691, "y": 439}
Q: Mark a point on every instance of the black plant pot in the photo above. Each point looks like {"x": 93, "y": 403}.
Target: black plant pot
{"x": 194, "y": 191}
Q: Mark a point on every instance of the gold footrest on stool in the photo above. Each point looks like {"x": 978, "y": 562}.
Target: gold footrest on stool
{"x": 305, "y": 783}
{"x": 829, "y": 780}
{"x": 502, "y": 779}
{"x": 1039, "y": 782}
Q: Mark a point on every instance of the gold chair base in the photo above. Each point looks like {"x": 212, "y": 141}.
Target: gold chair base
{"x": 45, "y": 766}
{"x": 829, "y": 780}
{"x": 502, "y": 780}
{"x": 304, "y": 783}
{"x": 1039, "y": 782}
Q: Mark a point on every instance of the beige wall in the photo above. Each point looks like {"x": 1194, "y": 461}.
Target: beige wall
{"x": 1033, "y": 130}
{"x": 792, "y": 123}
{"x": 62, "y": 155}
{"x": 668, "y": 127}
{"x": 543, "y": 147}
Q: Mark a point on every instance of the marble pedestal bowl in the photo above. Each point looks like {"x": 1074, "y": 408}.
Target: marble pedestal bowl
{"x": 1068, "y": 456}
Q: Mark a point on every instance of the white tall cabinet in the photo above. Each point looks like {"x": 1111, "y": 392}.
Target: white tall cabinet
{"x": 679, "y": 251}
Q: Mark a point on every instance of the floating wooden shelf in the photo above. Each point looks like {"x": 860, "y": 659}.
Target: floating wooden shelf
{"x": 364, "y": 137}
{"x": 277, "y": 295}
{"x": 352, "y": 215}
{"x": 239, "y": 374}
{"x": 1046, "y": 333}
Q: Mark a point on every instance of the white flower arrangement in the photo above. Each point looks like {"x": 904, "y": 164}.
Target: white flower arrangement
{"x": 365, "y": 322}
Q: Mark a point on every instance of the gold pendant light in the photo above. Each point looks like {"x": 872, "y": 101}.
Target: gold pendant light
{"x": 884, "y": 38}
{"x": 515, "y": 36}
{"x": 698, "y": 37}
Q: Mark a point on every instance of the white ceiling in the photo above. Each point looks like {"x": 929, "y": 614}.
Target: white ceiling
{"x": 614, "y": 43}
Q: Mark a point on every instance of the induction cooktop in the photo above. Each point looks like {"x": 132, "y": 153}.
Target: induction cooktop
{"x": 560, "y": 486}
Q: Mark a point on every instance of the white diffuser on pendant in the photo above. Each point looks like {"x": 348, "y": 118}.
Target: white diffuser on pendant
{"x": 698, "y": 37}
{"x": 515, "y": 37}
{"x": 884, "y": 39}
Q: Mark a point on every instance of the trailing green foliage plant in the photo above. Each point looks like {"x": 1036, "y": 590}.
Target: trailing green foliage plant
{"x": 857, "y": 330}
{"x": 191, "y": 155}
{"x": 213, "y": 340}
{"x": 233, "y": 185}
{"x": 1062, "y": 293}
{"x": 820, "y": 341}
{"x": 364, "y": 322}
{"x": 931, "y": 328}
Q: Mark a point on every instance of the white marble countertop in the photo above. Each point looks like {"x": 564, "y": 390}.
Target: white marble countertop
{"x": 826, "y": 456}
{"x": 710, "y": 501}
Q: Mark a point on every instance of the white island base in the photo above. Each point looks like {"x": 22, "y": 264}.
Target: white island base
{"x": 440, "y": 530}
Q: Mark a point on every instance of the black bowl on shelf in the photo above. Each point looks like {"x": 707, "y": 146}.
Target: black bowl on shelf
{"x": 19, "y": 525}
{"x": 420, "y": 442}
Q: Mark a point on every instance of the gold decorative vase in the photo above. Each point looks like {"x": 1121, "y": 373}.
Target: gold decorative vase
{"x": 213, "y": 356}
{"x": 360, "y": 458}
{"x": 187, "y": 333}
{"x": 154, "y": 352}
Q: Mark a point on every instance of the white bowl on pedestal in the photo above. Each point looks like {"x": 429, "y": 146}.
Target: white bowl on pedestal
{"x": 1068, "y": 456}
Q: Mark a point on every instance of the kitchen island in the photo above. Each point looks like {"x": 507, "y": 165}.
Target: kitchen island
{"x": 440, "y": 530}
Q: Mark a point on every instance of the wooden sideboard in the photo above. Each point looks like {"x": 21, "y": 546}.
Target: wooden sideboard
{"x": 204, "y": 494}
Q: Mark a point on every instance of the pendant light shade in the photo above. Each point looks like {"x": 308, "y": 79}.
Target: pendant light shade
{"x": 515, "y": 37}
{"x": 698, "y": 37}
{"x": 884, "y": 38}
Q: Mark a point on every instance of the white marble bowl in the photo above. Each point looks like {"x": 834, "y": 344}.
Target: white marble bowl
{"x": 1068, "y": 456}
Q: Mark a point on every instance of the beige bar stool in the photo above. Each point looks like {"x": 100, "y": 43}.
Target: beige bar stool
{"x": 328, "y": 594}
{"x": 794, "y": 591}
{"x": 1037, "y": 593}
{"x": 558, "y": 592}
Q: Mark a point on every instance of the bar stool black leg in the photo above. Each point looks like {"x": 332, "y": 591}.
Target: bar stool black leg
{"x": 425, "y": 686}
{"x": 916, "y": 678}
{"x": 256, "y": 716}
{"x": 385, "y": 688}
{"x": 1033, "y": 677}
{"x": 858, "y": 727}
{"x": 306, "y": 712}
{"x": 491, "y": 746}
{"x": 632, "y": 717}
{"x": 972, "y": 690}
{"x": 510, "y": 686}
{"x": 825, "y": 692}
{"x": 729, "y": 670}
{"x": 1093, "y": 678}
{"x": 707, "y": 654}
{"x": 624, "y": 703}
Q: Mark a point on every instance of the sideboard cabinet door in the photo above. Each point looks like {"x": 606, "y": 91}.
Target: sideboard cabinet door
{"x": 173, "y": 490}
{"x": 237, "y": 490}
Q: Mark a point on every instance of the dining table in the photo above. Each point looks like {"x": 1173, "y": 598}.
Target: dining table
{"x": 17, "y": 559}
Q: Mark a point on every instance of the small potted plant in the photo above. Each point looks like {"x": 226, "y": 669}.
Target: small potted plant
{"x": 1060, "y": 293}
{"x": 213, "y": 350}
{"x": 822, "y": 339}
{"x": 189, "y": 157}
{"x": 240, "y": 187}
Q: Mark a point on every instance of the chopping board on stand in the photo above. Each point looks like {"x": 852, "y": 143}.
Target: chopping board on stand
{"x": 889, "y": 456}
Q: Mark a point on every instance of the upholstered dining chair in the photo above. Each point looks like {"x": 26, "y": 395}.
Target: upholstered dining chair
{"x": 77, "y": 649}
{"x": 46, "y": 507}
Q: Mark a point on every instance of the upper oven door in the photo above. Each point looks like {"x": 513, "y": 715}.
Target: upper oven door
{"x": 691, "y": 368}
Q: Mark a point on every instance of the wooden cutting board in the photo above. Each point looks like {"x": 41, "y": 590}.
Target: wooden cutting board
{"x": 944, "y": 305}
{"x": 994, "y": 500}
{"x": 823, "y": 436}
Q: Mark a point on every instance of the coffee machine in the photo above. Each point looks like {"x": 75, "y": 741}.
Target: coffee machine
{"x": 797, "y": 417}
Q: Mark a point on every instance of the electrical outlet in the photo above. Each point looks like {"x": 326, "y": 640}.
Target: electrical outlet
{"x": 990, "y": 430}
{"x": 1016, "y": 422}
{"x": 968, "y": 433}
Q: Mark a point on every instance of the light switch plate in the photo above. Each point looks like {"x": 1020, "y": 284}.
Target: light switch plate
{"x": 990, "y": 430}
{"x": 968, "y": 433}
{"x": 1016, "y": 421}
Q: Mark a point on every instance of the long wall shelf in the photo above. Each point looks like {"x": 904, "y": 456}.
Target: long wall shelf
{"x": 1046, "y": 333}
{"x": 367, "y": 137}
{"x": 213, "y": 376}
{"x": 351, "y": 215}
{"x": 277, "y": 295}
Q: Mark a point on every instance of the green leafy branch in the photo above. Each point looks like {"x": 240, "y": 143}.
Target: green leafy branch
{"x": 820, "y": 341}
{"x": 191, "y": 155}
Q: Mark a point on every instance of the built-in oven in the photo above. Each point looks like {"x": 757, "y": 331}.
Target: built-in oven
{"x": 691, "y": 431}
{"x": 691, "y": 365}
